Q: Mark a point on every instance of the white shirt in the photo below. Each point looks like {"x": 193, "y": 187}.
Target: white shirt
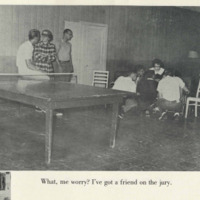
{"x": 125, "y": 84}
{"x": 169, "y": 87}
{"x": 24, "y": 53}
{"x": 160, "y": 72}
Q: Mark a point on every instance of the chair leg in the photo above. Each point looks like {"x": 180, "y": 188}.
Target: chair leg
{"x": 186, "y": 109}
{"x": 195, "y": 109}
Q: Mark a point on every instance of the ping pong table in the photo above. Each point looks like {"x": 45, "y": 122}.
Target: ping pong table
{"x": 52, "y": 95}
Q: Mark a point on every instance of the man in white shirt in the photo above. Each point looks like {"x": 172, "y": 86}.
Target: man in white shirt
{"x": 169, "y": 91}
{"x": 127, "y": 83}
{"x": 25, "y": 54}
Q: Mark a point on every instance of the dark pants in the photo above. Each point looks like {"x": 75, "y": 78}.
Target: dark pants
{"x": 63, "y": 67}
{"x": 166, "y": 105}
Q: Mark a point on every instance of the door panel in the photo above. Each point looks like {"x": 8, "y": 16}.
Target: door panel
{"x": 94, "y": 47}
{"x": 89, "y": 49}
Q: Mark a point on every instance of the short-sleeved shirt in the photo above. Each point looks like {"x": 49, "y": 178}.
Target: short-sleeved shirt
{"x": 24, "y": 53}
{"x": 45, "y": 64}
{"x": 169, "y": 87}
{"x": 63, "y": 50}
{"x": 125, "y": 84}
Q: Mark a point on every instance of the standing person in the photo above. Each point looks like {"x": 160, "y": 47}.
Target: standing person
{"x": 44, "y": 53}
{"x": 24, "y": 56}
{"x": 64, "y": 55}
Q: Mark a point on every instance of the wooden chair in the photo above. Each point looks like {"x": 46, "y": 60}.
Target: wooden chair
{"x": 100, "y": 78}
{"x": 193, "y": 101}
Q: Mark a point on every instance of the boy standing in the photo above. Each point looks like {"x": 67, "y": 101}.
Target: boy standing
{"x": 64, "y": 50}
{"x": 45, "y": 53}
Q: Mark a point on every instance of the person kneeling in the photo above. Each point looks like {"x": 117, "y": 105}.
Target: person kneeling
{"x": 128, "y": 84}
{"x": 169, "y": 94}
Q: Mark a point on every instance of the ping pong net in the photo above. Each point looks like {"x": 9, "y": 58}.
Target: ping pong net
{"x": 68, "y": 77}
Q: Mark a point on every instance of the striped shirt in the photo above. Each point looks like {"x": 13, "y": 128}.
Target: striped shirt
{"x": 44, "y": 55}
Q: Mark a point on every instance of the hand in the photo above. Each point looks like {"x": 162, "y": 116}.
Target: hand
{"x": 187, "y": 92}
{"x": 43, "y": 55}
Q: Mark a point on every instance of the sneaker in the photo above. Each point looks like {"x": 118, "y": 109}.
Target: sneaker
{"x": 176, "y": 116}
{"x": 163, "y": 116}
{"x": 37, "y": 109}
{"x": 121, "y": 116}
{"x": 59, "y": 114}
{"x": 147, "y": 113}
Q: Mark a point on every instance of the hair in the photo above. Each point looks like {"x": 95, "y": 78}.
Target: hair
{"x": 33, "y": 34}
{"x": 129, "y": 72}
{"x": 67, "y": 31}
{"x": 169, "y": 72}
{"x": 157, "y": 61}
{"x": 149, "y": 74}
{"x": 139, "y": 67}
{"x": 49, "y": 35}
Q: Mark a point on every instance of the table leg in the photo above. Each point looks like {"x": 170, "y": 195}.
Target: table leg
{"x": 115, "y": 111}
{"x": 48, "y": 135}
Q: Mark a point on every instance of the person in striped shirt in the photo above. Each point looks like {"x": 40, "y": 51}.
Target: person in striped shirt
{"x": 44, "y": 53}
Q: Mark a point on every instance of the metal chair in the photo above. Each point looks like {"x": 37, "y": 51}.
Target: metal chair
{"x": 193, "y": 101}
{"x": 100, "y": 78}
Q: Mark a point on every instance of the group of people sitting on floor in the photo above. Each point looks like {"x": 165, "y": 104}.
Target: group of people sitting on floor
{"x": 154, "y": 91}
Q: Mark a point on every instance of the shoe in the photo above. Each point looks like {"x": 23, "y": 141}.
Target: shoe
{"x": 59, "y": 114}
{"x": 121, "y": 116}
{"x": 163, "y": 116}
{"x": 37, "y": 109}
{"x": 176, "y": 116}
{"x": 147, "y": 113}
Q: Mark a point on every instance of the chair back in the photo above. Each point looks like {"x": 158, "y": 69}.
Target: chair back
{"x": 100, "y": 78}
{"x": 198, "y": 90}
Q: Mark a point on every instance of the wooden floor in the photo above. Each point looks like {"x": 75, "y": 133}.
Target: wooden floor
{"x": 81, "y": 141}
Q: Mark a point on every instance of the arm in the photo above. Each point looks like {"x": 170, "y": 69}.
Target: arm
{"x": 186, "y": 90}
{"x": 70, "y": 55}
{"x": 31, "y": 66}
{"x": 37, "y": 54}
{"x": 53, "y": 55}
{"x": 160, "y": 96}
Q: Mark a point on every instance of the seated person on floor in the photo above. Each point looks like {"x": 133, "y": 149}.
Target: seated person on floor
{"x": 147, "y": 90}
{"x": 127, "y": 83}
{"x": 157, "y": 68}
{"x": 169, "y": 93}
{"x": 140, "y": 73}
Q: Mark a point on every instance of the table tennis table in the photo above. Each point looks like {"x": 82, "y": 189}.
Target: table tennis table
{"x": 52, "y": 95}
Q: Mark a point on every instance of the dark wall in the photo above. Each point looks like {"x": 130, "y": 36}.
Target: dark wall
{"x": 145, "y": 33}
{"x": 136, "y": 35}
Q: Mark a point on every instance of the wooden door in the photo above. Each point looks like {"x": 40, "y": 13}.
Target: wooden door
{"x": 89, "y": 50}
